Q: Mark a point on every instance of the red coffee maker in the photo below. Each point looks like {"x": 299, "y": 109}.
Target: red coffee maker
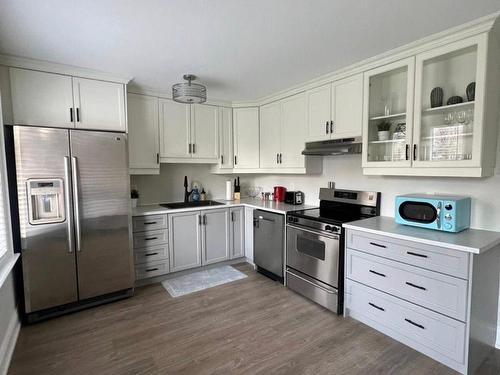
{"x": 279, "y": 193}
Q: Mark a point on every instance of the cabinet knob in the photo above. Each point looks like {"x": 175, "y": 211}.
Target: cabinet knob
{"x": 327, "y": 127}
{"x": 331, "y": 127}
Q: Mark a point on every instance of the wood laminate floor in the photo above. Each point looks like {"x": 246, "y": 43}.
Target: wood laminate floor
{"x": 250, "y": 326}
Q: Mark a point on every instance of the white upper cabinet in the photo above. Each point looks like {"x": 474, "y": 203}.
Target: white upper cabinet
{"x": 293, "y": 131}
{"x": 319, "y": 111}
{"x": 205, "y": 132}
{"x": 347, "y": 107}
{"x": 436, "y": 124}
{"x": 175, "y": 130}
{"x": 270, "y": 135}
{"x": 41, "y": 99}
{"x": 99, "y": 105}
{"x": 188, "y": 133}
{"x": 55, "y": 100}
{"x": 246, "y": 137}
{"x": 143, "y": 134}
{"x": 226, "y": 138}
{"x": 335, "y": 109}
{"x": 388, "y": 102}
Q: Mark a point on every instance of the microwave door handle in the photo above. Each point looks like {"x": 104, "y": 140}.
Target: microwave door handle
{"x": 438, "y": 218}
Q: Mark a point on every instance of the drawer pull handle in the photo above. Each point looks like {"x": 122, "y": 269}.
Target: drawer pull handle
{"x": 415, "y": 286}
{"x": 415, "y": 324}
{"x": 150, "y": 238}
{"x": 377, "y": 273}
{"x": 378, "y": 245}
{"x": 377, "y": 307}
{"x": 151, "y": 269}
{"x": 149, "y": 222}
{"x": 150, "y": 254}
{"x": 416, "y": 254}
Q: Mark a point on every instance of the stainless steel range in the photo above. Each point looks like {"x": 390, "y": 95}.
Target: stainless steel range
{"x": 315, "y": 244}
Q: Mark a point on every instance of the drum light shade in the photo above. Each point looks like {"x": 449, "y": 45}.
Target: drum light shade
{"x": 189, "y": 92}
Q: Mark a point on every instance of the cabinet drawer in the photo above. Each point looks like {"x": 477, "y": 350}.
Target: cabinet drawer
{"x": 144, "y": 271}
{"x": 441, "y": 293}
{"x": 152, "y": 222}
{"x": 450, "y": 262}
{"x": 151, "y": 254}
{"x": 150, "y": 238}
{"x": 428, "y": 331}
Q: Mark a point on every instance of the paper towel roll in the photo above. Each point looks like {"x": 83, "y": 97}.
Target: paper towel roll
{"x": 229, "y": 190}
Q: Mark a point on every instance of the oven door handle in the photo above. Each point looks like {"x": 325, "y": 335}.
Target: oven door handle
{"x": 322, "y": 234}
{"x": 310, "y": 282}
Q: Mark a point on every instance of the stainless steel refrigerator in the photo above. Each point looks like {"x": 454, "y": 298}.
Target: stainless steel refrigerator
{"x": 74, "y": 218}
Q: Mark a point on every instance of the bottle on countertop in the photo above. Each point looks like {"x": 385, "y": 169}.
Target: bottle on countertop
{"x": 203, "y": 195}
{"x": 195, "y": 195}
{"x": 237, "y": 189}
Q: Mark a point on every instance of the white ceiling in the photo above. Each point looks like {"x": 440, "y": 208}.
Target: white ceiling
{"x": 240, "y": 49}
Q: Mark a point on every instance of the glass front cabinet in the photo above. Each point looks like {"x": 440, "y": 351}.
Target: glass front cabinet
{"x": 434, "y": 114}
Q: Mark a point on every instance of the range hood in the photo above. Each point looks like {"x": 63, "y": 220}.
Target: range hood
{"x": 334, "y": 147}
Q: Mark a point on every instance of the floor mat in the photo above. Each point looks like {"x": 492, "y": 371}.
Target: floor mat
{"x": 194, "y": 282}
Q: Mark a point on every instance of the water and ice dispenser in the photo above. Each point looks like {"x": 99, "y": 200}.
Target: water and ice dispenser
{"x": 45, "y": 201}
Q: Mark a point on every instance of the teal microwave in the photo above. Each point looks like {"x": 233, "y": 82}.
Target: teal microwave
{"x": 448, "y": 213}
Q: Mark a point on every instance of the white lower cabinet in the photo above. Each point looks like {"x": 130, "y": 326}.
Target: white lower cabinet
{"x": 150, "y": 239}
{"x": 185, "y": 240}
{"x": 215, "y": 236}
{"x": 237, "y": 232}
{"x": 423, "y": 295}
{"x": 199, "y": 238}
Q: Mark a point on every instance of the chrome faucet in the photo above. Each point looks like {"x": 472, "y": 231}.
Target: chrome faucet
{"x": 186, "y": 192}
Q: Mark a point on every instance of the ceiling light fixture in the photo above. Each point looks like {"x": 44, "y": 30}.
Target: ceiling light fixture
{"x": 189, "y": 92}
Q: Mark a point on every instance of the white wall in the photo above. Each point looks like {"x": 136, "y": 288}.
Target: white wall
{"x": 9, "y": 324}
{"x": 168, "y": 186}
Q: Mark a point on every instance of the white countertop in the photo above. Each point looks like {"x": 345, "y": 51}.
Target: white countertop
{"x": 474, "y": 241}
{"x": 277, "y": 207}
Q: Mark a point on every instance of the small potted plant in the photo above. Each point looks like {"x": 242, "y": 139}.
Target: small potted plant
{"x": 384, "y": 131}
{"x": 134, "y": 196}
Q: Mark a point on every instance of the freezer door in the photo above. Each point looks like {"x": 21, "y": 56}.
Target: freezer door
{"x": 269, "y": 241}
{"x": 102, "y": 212}
{"x": 45, "y": 217}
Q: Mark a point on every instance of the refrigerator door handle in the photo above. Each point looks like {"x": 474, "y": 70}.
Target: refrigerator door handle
{"x": 69, "y": 216}
{"x": 76, "y": 202}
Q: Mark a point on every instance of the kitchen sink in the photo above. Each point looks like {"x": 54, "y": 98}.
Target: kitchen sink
{"x": 191, "y": 204}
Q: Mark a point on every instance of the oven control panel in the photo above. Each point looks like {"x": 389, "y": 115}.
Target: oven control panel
{"x": 314, "y": 224}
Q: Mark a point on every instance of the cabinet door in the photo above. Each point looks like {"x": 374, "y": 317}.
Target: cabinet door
{"x": 270, "y": 135}
{"x": 246, "y": 137}
{"x": 293, "y": 131}
{"x": 215, "y": 236}
{"x": 184, "y": 232}
{"x": 319, "y": 113}
{"x": 450, "y": 135}
{"x": 205, "y": 132}
{"x": 143, "y": 138}
{"x": 99, "y": 105}
{"x": 388, "y": 99}
{"x": 175, "y": 137}
{"x": 226, "y": 138}
{"x": 237, "y": 233}
{"x": 347, "y": 107}
{"x": 41, "y": 99}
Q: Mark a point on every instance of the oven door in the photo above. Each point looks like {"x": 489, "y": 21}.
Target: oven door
{"x": 313, "y": 253}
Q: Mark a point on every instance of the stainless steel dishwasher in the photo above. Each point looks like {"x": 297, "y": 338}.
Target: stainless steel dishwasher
{"x": 268, "y": 238}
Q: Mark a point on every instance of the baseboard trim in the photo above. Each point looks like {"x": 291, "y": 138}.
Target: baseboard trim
{"x": 9, "y": 343}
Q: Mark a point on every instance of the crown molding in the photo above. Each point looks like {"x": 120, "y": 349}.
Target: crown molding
{"x": 51, "y": 67}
